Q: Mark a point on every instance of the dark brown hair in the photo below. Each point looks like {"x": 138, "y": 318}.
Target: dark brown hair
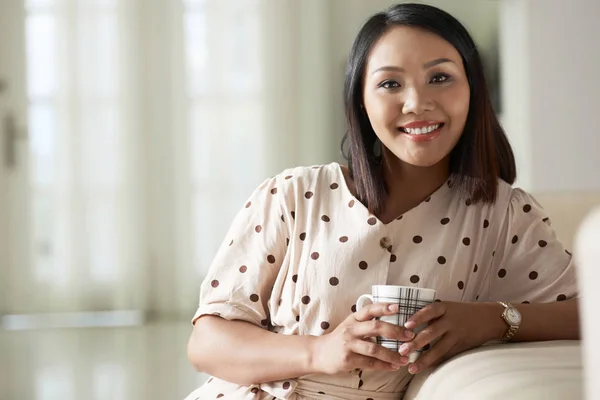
{"x": 482, "y": 154}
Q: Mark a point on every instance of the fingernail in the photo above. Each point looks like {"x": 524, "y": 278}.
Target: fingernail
{"x": 393, "y": 307}
{"x": 403, "y": 360}
{"x": 403, "y": 349}
{"x": 410, "y": 325}
{"x": 409, "y": 334}
{"x": 395, "y": 366}
{"x": 413, "y": 369}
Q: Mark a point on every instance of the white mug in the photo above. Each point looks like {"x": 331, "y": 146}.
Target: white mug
{"x": 409, "y": 300}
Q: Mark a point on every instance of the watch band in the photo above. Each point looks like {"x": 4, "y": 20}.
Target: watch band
{"x": 512, "y": 329}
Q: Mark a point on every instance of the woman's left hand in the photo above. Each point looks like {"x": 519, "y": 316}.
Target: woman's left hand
{"x": 453, "y": 328}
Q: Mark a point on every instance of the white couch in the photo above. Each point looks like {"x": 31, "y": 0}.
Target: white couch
{"x": 540, "y": 370}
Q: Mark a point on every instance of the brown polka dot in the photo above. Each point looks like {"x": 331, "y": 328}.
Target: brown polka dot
{"x": 477, "y": 297}
{"x": 214, "y": 283}
{"x": 264, "y": 322}
{"x": 333, "y": 281}
{"x": 334, "y": 186}
{"x": 363, "y": 265}
{"x": 248, "y": 204}
{"x": 220, "y": 395}
{"x": 533, "y": 275}
{"x": 344, "y": 239}
{"x": 360, "y": 383}
{"x": 542, "y": 243}
{"x": 324, "y": 393}
{"x": 209, "y": 380}
{"x": 461, "y": 285}
{"x": 287, "y": 241}
{"x": 389, "y": 249}
{"x": 351, "y": 203}
{"x": 230, "y": 243}
{"x": 393, "y": 258}
{"x": 314, "y": 256}
{"x": 568, "y": 252}
{"x": 502, "y": 273}
{"x": 372, "y": 221}
{"x": 258, "y": 228}
{"x": 289, "y": 177}
{"x": 475, "y": 268}
{"x": 286, "y": 385}
{"x": 293, "y": 213}
{"x": 437, "y": 301}
{"x": 303, "y": 236}
{"x": 399, "y": 218}
{"x": 274, "y": 191}
{"x": 282, "y": 219}
{"x": 450, "y": 184}
{"x": 324, "y": 325}
{"x": 427, "y": 347}
{"x": 445, "y": 221}
{"x": 279, "y": 302}
{"x": 441, "y": 260}
{"x": 493, "y": 253}
{"x": 515, "y": 239}
{"x": 294, "y": 278}
{"x": 254, "y": 298}
{"x": 325, "y": 218}
{"x": 525, "y": 302}
{"x": 427, "y": 200}
{"x": 468, "y": 202}
{"x": 415, "y": 279}
{"x": 353, "y": 308}
{"x": 466, "y": 241}
{"x": 561, "y": 297}
{"x": 527, "y": 208}
{"x": 308, "y": 195}
{"x": 545, "y": 219}
{"x": 305, "y": 300}
{"x": 486, "y": 223}
{"x": 297, "y": 318}
{"x": 254, "y": 390}
{"x": 417, "y": 239}
{"x": 271, "y": 259}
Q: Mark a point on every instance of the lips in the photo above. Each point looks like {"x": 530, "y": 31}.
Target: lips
{"x": 422, "y": 130}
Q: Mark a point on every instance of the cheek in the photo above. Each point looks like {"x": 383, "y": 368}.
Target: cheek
{"x": 456, "y": 105}
{"x": 381, "y": 110}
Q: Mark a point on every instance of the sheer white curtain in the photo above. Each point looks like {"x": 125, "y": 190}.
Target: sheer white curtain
{"x": 85, "y": 226}
{"x": 150, "y": 124}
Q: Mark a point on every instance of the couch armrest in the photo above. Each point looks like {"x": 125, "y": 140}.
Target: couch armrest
{"x": 516, "y": 371}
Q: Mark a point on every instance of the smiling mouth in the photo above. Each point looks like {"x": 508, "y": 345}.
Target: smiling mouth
{"x": 421, "y": 131}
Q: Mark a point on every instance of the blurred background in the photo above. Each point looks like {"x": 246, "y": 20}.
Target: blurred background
{"x": 132, "y": 131}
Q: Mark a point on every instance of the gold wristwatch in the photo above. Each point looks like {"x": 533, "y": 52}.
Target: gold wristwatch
{"x": 512, "y": 317}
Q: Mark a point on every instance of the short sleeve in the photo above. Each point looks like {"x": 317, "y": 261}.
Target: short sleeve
{"x": 241, "y": 277}
{"x": 530, "y": 264}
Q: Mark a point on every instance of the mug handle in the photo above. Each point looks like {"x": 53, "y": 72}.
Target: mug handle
{"x": 360, "y": 303}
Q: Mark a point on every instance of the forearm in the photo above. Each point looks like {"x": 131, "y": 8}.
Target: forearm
{"x": 540, "y": 322}
{"x": 245, "y": 354}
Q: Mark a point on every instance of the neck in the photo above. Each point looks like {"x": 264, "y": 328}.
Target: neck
{"x": 408, "y": 185}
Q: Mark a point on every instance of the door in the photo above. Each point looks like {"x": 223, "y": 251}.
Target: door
{"x": 14, "y": 161}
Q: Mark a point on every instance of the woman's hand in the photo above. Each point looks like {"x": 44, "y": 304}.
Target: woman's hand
{"x": 453, "y": 328}
{"x": 348, "y": 347}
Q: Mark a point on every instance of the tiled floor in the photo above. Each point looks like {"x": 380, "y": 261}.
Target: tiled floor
{"x": 130, "y": 363}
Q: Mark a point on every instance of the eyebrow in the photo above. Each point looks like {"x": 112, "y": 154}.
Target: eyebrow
{"x": 427, "y": 65}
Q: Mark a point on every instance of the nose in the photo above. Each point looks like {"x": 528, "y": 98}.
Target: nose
{"x": 416, "y": 102}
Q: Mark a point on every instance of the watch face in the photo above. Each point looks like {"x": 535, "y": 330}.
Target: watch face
{"x": 514, "y": 316}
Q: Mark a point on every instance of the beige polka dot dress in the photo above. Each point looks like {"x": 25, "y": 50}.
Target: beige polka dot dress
{"x": 303, "y": 249}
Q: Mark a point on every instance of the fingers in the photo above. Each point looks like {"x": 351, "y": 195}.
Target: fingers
{"x": 428, "y": 335}
{"x": 378, "y": 352}
{"x": 375, "y": 328}
{"x": 366, "y": 363}
{"x": 436, "y": 355}
{"x": 425, "y": 315}
{"x": 372, "y": 311}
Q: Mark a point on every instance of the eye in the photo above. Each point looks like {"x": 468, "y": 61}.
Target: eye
{"x": 389, "y": 85}
{"x": 440, "y": 78}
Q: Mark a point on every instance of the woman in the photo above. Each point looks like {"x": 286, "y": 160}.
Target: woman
{"x": 425, "y": 201}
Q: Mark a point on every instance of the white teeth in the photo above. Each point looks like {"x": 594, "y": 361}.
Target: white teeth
{"x": 421, "y": 131}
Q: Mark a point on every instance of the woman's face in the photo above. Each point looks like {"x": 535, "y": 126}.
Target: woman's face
{"x": 416, "y": 95}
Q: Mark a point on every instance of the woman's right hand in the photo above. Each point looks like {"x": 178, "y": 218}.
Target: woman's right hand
{"x": 350, "y": 346}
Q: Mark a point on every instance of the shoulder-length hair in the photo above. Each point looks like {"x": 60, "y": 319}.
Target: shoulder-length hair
{"x": 482, "y": 154}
